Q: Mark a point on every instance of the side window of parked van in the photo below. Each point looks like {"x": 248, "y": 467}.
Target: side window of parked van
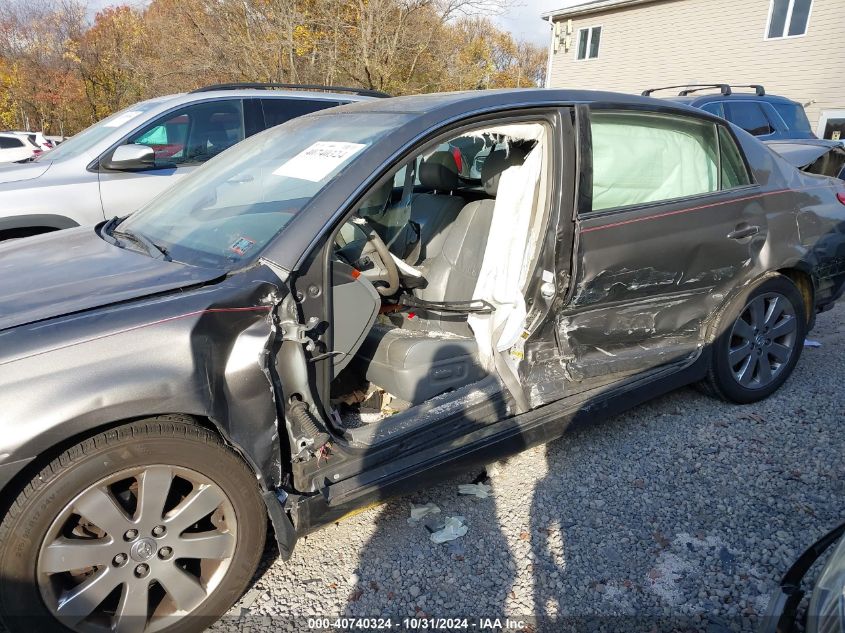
{"x": 714, "y": 107}
{"x": 195, "y": 133}
{"x": 645, "y": 157}
{"x": 749, "y": 116}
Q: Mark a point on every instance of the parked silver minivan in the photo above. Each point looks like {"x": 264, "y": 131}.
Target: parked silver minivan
{"x": 122, "y": 162}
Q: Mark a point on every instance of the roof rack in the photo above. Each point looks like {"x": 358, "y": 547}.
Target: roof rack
{"x": 267, "y": 86}
{"x": 725, "y": 89}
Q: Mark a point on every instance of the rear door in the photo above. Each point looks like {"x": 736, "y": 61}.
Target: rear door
{"x": 183, "y": 139}
{"x": 667, "y": 225}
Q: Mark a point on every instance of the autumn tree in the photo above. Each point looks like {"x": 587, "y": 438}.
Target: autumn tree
{"x": 106, "y": 56}
{"x": 57, "y": 67}
{"x": 39, "y": 84}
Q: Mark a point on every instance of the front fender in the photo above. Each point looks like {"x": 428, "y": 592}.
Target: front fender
{"x": 201, "y": 353}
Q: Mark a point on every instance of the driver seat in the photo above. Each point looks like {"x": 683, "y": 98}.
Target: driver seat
{"x": 417, "y": 358}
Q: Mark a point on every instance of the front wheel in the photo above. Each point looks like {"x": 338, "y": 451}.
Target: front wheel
{"x": 758, "y": 343}
{"x": 153, "y": 526}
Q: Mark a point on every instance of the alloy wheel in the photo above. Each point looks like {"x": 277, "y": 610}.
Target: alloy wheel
{"x": 137, "y": 551}
{"x": 762, "y": 340}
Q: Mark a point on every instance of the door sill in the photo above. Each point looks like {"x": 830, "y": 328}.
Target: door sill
{"x": 475, "y": 402}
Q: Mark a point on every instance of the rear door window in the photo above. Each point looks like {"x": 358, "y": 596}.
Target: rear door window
{"x": 10, "y": 143}
{"x": 749, "y": 116}
{"x": 732, "y": 169}
{"x": 643, "y": 158}
{"x": 278, "y": 111}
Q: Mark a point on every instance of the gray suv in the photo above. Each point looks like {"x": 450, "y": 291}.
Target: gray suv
{"x": 117, "y": 165}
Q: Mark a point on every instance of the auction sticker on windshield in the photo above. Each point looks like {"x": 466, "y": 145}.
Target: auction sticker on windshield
{"x": 319, "y": 160}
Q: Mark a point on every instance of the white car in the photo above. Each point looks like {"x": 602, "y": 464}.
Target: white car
{"x": 15, "y": 148}
{"x": 36, "y": 138}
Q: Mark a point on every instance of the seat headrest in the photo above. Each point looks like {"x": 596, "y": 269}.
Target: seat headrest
{"x": 497, "y": 162}
{"x": 439, "y": 171}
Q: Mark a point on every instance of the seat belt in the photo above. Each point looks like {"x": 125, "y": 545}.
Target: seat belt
{"x": 405, "y": 200}
{"x": 476, "y": 306}
{"x": 414, "y": 256}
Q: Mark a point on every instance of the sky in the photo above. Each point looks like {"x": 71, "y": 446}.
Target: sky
{"x": 523, "y": 21}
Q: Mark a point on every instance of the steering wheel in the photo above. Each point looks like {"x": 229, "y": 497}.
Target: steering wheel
{"x": 390, "y": 273}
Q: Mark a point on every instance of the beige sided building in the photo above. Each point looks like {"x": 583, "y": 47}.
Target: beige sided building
{"x": 795, "y": 48}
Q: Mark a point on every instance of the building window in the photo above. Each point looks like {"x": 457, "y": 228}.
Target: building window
{"x": 588, "y": 42}
{"x": 788, "y": 18}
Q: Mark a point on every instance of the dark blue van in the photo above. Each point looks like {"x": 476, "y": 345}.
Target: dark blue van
{"x": 766, "y": 116}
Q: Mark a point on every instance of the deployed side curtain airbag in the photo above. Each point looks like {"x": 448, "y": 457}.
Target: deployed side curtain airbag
{"x": 640, "y": 158}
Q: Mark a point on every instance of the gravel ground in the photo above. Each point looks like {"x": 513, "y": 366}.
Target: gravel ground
{"x": 684, "y": 510}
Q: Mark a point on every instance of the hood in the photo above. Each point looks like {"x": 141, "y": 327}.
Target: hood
{"x": 72, "y": 270}
{"x": 16, "y": 172}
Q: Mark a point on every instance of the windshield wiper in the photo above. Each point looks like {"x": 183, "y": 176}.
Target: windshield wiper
{"x": 109, "y": 234}
{"x": 107, "y": 229}
{"x": 153, "y": 250}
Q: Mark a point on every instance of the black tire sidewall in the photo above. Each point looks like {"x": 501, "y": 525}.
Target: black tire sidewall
{"x": 721, "y": 370}
{"x": 20, "y": 599}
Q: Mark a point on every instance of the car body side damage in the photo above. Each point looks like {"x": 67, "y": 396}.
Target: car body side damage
{"x": 201, "y": 351}
{"x": 365, "y": 301}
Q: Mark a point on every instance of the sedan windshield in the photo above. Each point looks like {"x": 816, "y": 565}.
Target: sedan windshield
{"x": 224, "y": 213}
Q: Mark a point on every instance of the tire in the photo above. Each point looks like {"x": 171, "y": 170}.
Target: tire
{"x": 764, "y": 327}
{"x": 211, "y": 511}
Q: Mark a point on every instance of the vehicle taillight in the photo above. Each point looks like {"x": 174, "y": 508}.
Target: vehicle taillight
{"x": 841, "y": 197}
{"x": 36, "y": 152}
{"x": 459, "y": 159}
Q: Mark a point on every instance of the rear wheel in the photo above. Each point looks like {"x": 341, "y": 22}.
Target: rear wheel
{"x": 154, "y": 526}
{"x": 759, "y": 342}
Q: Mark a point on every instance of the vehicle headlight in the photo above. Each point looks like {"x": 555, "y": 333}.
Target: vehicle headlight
{"x": 826, "y": 613}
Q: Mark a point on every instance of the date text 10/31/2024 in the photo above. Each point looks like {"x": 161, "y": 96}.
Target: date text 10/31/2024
{"x": 430, "y": 624}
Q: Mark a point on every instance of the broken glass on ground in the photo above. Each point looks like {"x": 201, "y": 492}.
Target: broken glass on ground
{"x": 480, "y": 490}
{"x": 418, "y": 513}
{"x": 453, "y": 528}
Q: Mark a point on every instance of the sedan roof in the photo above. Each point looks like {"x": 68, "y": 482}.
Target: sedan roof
{"x": 481, "y": 100}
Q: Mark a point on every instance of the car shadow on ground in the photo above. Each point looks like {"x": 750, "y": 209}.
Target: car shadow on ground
{"x": 678, "y": 516}
{"x": 681, "y": 514}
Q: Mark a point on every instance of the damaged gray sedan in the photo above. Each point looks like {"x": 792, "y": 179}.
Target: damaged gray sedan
{"x": 360, "y": 302}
